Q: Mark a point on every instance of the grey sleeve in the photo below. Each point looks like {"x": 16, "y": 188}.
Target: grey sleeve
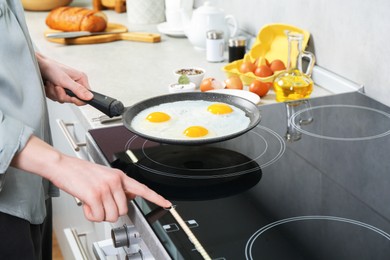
{"x": 13, "y": 137}
{"x": 19, "y": 85}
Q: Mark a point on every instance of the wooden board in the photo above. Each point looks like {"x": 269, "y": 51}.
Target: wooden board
{"x": 119, "y": 32}
{"x": 118, "y": 5}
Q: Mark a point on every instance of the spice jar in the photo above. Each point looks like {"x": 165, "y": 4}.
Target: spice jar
{"x": 215, "y": 46}
{"x": 237, "y": 48}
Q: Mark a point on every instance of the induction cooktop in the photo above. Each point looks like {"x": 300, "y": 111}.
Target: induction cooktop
{"x": 311, "y": 181}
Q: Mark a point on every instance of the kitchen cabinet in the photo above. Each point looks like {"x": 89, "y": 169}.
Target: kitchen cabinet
{"x": 74, "y": 233}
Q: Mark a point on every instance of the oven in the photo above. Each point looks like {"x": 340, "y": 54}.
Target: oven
{"x": 311, "y": 181}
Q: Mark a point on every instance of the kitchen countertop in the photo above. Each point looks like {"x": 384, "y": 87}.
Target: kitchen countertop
{"x": 125, "y": 70}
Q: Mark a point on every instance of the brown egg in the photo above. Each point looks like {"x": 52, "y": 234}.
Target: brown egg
{"x": 263, "y": 71}
{"x": 234, "y": 82}
{"x": 247, "y": 66}
{"x": 277, "y": 65}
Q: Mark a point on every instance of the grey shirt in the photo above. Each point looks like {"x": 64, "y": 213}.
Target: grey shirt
{"x": 23, "y": 113}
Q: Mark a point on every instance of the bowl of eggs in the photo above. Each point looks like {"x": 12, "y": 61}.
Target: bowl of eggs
{"x": 194, "y": 74}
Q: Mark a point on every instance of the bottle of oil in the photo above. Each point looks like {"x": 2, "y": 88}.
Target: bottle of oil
{"x": 294, "y": 84}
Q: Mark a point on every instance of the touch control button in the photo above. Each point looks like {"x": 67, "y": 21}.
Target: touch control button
{"x": 192, "y": 223}
{"x": 171, "y": 228}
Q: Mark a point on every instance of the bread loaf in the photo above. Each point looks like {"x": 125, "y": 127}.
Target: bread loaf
{"x": 70, "y": 19}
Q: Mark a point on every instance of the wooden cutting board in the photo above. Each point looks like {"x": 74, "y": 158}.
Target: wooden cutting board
{"x": 119, "y": 32}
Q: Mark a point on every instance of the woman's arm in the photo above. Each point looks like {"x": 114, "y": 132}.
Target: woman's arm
{"x": 104, "y": 191}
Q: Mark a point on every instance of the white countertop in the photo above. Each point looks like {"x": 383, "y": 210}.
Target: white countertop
{"x": 125, "y": 70}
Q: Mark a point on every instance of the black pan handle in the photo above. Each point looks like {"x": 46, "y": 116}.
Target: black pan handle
{"x": 109, "y": 106}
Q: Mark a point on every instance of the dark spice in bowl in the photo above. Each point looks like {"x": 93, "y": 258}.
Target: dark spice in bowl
{"x": 189, "y": 71}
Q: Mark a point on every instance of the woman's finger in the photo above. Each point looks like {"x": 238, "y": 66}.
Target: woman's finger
{"x": 139, "y": 189}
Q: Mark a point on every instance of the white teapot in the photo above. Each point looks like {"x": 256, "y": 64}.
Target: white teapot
{"x": 207, "y": 17}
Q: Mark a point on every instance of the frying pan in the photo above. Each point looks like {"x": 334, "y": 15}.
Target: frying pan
{"x": 112, "y": 107}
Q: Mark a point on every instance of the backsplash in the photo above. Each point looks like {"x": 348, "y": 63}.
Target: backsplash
{"x": 348, "y": 37}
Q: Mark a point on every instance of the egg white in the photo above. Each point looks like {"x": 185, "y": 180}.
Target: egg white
{"x": 190, "y": 113}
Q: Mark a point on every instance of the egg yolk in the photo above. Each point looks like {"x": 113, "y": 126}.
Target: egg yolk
{"x": 196, "y": 131}
{"x": 219, "y": 109}
{"x": 158, "y": 117}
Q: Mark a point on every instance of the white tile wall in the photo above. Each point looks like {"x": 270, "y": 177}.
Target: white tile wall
{"x": 348, "y": 37}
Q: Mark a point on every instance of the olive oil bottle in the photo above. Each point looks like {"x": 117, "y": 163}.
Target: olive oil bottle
{"x": 294, "y": 84}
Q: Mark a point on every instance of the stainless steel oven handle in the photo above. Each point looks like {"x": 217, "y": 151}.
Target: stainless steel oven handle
{"x": 75, "y": 243}
{"x": 64, "y": 127}
{"x": 75, "y": 146}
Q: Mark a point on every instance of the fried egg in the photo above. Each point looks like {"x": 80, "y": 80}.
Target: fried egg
{"x": 220, "y": 108}
{"x": 190, "y": 119}
{"x": 158, "y": 117}
{"x": 195, "y": 131}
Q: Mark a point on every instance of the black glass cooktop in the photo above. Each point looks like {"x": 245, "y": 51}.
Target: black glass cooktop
{"x": 311, "y": 181}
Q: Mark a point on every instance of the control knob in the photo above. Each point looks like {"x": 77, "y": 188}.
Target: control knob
{"x": 135, "y": 256}
{"x": 125, "y": 236}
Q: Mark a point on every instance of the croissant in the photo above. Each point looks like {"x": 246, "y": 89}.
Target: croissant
{"x": 70, "y": 19}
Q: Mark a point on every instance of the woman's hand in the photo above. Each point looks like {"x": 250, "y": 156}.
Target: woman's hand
{"x": 104, "y": 191}
{"x": 57, "y": 77}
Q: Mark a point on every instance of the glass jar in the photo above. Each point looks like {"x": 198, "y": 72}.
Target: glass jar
{"x": 305, "y": 118}
{"x": 237, "y": 48}
{"x": 215, "y": 46}
{"x": 294, "y": 84}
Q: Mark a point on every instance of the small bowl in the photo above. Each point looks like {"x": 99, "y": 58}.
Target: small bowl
{"x": 181, "y": 88}
{"x": 194, "y": 74}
